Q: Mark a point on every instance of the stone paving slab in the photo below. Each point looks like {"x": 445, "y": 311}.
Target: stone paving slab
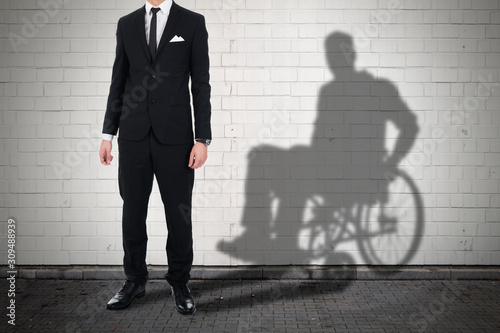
{"x": 245, "y": 306}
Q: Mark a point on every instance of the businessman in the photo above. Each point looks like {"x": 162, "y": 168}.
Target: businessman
{"x": 160, "y": 48}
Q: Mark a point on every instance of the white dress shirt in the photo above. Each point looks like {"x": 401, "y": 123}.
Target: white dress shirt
{"x": 161, "y": 17}
{"x": 161, "y": 21}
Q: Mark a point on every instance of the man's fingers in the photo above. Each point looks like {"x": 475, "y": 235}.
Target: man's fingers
{"x": 191, "y": 159}
{"x": 106, "y": 158}
{"x": 198, "y": 163}
{"x": 198, "y": 156}
{"x": 202, "y": 161}
{"x": 105, "y": 152}
{"x": 102, "y": 155}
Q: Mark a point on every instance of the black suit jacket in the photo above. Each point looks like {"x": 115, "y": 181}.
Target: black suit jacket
{"x": 148, "y": 93}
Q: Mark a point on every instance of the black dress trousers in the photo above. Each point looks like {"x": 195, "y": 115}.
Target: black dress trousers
{"x": 138, "y": 162}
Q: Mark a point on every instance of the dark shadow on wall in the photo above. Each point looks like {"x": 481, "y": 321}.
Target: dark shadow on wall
{"x": 343, "y": 199}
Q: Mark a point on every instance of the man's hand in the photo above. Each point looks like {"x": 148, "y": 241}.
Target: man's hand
{"x": 105, "y": 152}
{"x": 198, "y": 155}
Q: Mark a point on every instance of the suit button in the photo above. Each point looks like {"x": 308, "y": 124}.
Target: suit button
{"x": 153, "y": 76}
{"x": 153, "y": 101}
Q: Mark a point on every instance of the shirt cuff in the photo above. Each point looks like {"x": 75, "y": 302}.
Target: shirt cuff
{"x": 107, "y": 137}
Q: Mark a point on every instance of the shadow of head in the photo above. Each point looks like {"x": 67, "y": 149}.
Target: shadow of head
{"x": 340, "y": 51}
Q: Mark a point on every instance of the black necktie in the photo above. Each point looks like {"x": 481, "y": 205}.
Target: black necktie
{"x": 152, "y": 33}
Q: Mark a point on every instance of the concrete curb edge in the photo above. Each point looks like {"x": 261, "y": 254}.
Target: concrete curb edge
{"x": 268, "y": 272}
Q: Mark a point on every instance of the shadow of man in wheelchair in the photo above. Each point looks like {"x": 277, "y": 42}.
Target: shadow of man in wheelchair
{"x": 326, "y": 202}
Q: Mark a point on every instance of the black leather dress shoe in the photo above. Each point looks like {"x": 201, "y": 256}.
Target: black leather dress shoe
{"x": 184, "y": 302}
{"x": 126, "y": 295}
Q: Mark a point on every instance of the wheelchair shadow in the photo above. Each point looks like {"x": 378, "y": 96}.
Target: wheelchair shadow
{"x": 326, "y": 203}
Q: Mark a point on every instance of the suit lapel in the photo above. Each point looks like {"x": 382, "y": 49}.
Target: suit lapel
{"x": 141, "y": 29}
{"x": 173, "y": 18}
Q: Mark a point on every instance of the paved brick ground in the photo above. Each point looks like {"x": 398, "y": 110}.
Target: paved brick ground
{"x": 261, "y": 306}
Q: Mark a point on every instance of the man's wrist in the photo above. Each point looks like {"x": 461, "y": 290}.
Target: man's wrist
{"x": 206, "y": 142}
{"x": 107, "y": 137}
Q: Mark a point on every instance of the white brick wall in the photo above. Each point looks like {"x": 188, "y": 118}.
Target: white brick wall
{"x": 268, "y": 70}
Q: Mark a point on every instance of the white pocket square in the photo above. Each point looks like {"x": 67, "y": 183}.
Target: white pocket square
{"x": 176, "y": 39}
